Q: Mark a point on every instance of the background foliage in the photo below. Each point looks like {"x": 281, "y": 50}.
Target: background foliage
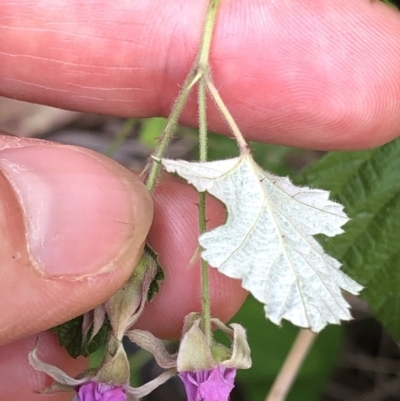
{"x": 368, "y": 184}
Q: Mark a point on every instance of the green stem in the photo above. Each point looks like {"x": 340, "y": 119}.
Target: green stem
{"x": 205, "y": 291}
{"x": 203, "y": 68}
{"x": 202, "y": 121}
{"x": 206, "y": 38}
{"x": 198, "y": 69}
{"x": 170, "y": 126}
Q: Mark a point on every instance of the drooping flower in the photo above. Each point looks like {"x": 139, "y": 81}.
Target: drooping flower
{"x": 208, "y": 369}
{"x": 209, "y": 385}
{"x": 94, "y": 391}
{"x": 110, "y": 382}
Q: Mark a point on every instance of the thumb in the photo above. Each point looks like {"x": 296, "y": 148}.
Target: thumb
{"x": 73, "y": 224}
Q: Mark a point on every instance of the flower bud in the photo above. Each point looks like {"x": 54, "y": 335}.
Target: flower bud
{"x": 125, "y": 306}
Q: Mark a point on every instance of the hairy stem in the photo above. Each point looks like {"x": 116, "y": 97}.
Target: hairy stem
{"x": 170, "y": 126}
{"x": 205, "y": 291}
{"x": 199, "y": 67}
{"x": 244, "y": 148}
{"x": 206, "y": 38}
{"x": 292, "y": 364}
{"x": 199, "y": 70}
{"x": 202, "y": 62}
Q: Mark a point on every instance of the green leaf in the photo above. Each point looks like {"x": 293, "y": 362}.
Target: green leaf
{"x": 70, "y": 337}
{"x": 160, "y": 274}
{"x": 368, "y": 184}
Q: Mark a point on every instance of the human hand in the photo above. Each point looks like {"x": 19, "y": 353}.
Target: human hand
{"x": 323, "y": 76}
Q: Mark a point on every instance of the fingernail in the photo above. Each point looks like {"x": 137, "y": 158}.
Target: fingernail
{"x": 77, "y": 206}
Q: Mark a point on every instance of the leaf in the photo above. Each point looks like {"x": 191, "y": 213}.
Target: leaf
{"x": 70, "y": 337}
{"x": 160, "y": 274}
{"x": 267, "y": 240}
{"x": 368, "y": 184}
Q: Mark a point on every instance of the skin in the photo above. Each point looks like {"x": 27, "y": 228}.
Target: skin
{"x": 321, "y": 76}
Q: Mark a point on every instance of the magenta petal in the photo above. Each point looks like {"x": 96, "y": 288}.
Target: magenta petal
{"x": 92, "y": 391}
{"x": 209, "y": 385}
{"x": 191, "y": 385}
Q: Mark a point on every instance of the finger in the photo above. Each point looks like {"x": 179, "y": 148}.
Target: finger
{"x": 19, "y": 381}
{"x": 73, "y": 224}
{"x": 293, "y": 72}
{"x": 174, "y": 235}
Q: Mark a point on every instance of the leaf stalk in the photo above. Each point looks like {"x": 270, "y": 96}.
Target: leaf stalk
{"x": 243, "y": 146}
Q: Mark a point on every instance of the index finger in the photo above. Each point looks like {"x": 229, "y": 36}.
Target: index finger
{"x": 320, "y": 75}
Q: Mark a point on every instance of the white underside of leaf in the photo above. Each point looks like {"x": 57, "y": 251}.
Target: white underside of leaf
{"x": 267, "y": 240}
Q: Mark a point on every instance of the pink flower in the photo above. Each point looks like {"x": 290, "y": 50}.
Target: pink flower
{"x": 209, "y": 385}
{"x": 93, "y": 391}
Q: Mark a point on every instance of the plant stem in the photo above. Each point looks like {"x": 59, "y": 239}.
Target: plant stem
{"x": 199, "y": 67}
{"x": 206, "y": 37}
{"x": 244, "y": 148}
{"x": 292, "y": 364}
{"x": 205, "y": 291}
{"x": 202, "y": 121}
{"x": 170, "y": 126}
{"x": 199, "y": 70}
{"x": 202, "y": 62}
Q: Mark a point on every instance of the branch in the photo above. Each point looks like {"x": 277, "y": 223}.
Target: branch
{"x": 290, "y": 368}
